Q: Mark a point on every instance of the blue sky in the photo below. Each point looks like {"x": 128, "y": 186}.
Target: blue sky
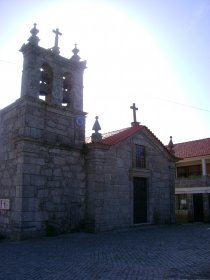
{"x": 155, "y": 53}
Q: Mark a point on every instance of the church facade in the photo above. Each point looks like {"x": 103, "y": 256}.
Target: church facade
{"x": 52, "y": 180}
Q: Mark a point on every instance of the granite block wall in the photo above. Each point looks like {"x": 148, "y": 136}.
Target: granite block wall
{"x": 110, "y": 174}
{"x": 42, "y": 171}
{"x": 50, "y": 183}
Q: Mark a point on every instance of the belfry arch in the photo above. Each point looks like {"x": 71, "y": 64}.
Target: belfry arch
{"x": 67, "y": 88}
{"x": 50, "y": 76}
{"x": 46, "y": 81}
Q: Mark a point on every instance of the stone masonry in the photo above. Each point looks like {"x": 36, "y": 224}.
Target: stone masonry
{"x": 110, "y": 174}
{"x": 51, "y": 180}
{"x": 42, "y": 175}
{"x": 42, "y": 170}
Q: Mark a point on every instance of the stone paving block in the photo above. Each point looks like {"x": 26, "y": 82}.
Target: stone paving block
{"x": 145, "y": 252}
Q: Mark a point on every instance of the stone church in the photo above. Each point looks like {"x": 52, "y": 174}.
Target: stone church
{"x": 53, "y": 180}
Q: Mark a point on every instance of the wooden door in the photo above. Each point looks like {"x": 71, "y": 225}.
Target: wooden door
{"x": 140, "y": 200}
{"x": 198, "y": 207}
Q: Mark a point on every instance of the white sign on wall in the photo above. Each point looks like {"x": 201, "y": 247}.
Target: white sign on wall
{"x": 4, "y": 204}
{"x": 183, "y": 201}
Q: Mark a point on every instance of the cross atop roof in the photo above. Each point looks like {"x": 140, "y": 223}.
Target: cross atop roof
{"x": 55, "y": 49}
{"x": 134, "y": 108}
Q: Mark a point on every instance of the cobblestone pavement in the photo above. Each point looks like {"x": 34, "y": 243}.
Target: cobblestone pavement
{"x": 147, "y": 252}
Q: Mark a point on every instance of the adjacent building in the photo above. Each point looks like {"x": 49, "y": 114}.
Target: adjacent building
{"x": 192, "y": 180}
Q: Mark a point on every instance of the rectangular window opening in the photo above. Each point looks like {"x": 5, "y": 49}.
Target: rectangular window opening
{"x": 140, "y": 159}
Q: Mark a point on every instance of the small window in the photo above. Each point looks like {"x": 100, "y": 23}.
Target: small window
{"x": 187, "y": 171}
{"x": 208, "y": 169}
{"x": 140, "y": 160}
{"x": 182, "y": 171}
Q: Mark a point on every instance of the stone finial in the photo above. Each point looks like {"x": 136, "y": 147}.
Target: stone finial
{"x": 96, "y": 125}
{"x": 56, "y": 49}
{"x": 75, "y": 57}
{"x": 96, "y": 136}
{"x": 134, "y": 108}
{"x": 34, "y": 40}
{"x": 171, "y": 146}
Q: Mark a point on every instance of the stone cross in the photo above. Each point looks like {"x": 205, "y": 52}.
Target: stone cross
{"x": 56, "y": 48}
{"x": 134, "y": 108}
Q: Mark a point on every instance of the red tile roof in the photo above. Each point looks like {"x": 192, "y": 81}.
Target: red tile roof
{"x": 193, "y": 148}
{"x": 115, "y": 137}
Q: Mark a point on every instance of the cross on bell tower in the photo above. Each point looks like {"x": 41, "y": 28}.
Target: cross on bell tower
{"x": 56, "y": 49}
{"x": 48, "y": 76}
{"x": 134, "y": 108}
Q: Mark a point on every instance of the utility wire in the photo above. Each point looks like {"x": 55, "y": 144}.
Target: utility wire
{"x": 10, "y": 62}
{"x": 182, "y": 104}
{"x": 163, "y": 99}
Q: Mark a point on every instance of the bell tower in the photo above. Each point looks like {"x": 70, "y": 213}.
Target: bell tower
{"x": 51, "y": 77}
{"x": 55, "y": 83}
{"x": 43, "y": 135}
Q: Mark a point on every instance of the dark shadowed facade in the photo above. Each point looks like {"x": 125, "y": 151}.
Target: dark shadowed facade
{"x": 52, "y": 180}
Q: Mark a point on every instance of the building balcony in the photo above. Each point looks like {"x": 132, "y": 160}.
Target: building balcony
{"x": 194, "y": 184}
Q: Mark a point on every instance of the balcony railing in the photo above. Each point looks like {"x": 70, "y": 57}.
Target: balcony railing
{"x": 195, "y": 181}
